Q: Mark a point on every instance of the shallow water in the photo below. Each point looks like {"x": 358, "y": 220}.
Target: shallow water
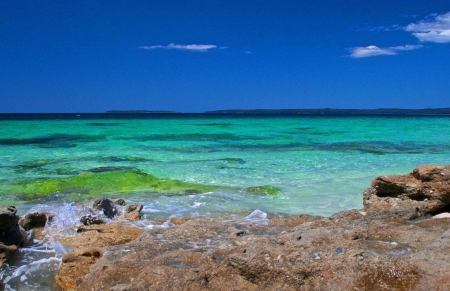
{"x": 186, "y": 165}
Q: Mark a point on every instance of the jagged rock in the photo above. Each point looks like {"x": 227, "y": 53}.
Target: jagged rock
{"x": 425, "y": 191}
{"x": 106, "y": 205}
{"x": 11, "y": 233}
{"x": 133, "y": 212}
{"x": 36, "y": 219}
{"x": 117, "y": 208}
{"x": 119, "y": 201}
{"x": 89, "y": 219}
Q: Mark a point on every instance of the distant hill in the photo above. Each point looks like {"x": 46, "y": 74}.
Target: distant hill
{"x": 331, "y": 111}
{"x": 141, "y": 112}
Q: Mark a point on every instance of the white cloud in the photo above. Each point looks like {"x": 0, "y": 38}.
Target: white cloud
{"x": 435, "y": 29}
{"x": 189, "y": 47}
{"x": 372, "y": 50}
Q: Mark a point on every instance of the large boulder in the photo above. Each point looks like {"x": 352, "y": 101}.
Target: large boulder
{"x": 425, "y": 191}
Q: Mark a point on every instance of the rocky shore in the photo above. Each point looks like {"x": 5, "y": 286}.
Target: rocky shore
{"x": 400, "y": 240}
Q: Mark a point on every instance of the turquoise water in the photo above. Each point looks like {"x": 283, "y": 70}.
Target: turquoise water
{"x": 316, "y": 165}
{"x": 190, "y": 165}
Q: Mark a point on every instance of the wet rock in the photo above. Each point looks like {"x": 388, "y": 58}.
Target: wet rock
{"x": 116, "y": 209}
{"x": 89, "y": 219}
{"x": 11, "y": 233}
{"x": 36, "y": 219}
{"x": 6, "y": 252}
{"x": 133, "y": 212}
{"x": 425, "y": 191}
{"x": 106, "y": 205}
{"x": 8, "y": 219}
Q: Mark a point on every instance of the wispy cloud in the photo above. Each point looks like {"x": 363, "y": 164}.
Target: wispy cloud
{"x": 372, "y": 50}
{"x": 434, "y": 29}
{"x": 369, "y": 27}
{"x": 188, "y": 47}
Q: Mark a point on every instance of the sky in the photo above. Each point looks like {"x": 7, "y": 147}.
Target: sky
{"x": 194, "y": 56}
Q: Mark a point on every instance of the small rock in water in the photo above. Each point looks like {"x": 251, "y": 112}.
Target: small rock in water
{"x": 107, "y": 205}
{"x": 89, "y": 219}
{"x": 35, "y": 219}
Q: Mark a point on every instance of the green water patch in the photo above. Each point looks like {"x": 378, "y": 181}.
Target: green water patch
{"x": 114, "y": 181}
{"x": 52, "y": 141}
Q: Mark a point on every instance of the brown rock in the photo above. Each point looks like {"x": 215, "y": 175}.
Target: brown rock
{"x": 425, "y": 191}
{"x": 133, "y": 212}
{"x": 88, "y": 249}
{"x": 6, "y": 252}
{"x": 89, "y": 219}
{"x": 349, "y": 251}
{"x": 36, "y": 219}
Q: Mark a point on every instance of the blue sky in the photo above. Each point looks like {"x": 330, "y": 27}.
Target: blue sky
{"x": 193, "y": 56}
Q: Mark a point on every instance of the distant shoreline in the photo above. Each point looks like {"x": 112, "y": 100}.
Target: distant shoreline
{"x": 332, "y": 111}
{"x": 234, "y": 112}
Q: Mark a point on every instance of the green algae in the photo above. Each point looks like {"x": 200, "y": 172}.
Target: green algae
{"x": 263, "y": 190}
{"x": 91, "y": 184}
{"x": 112, "y": 180}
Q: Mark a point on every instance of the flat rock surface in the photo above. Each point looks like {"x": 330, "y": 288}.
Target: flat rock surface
{"x": 348, "y": 251}
{"x": 87, "y": 249}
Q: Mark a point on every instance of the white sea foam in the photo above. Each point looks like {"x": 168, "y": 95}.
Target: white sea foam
{"x": 257, "y": 216}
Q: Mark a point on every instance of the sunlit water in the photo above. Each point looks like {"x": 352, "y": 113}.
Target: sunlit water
{"x": 319, "y": 165}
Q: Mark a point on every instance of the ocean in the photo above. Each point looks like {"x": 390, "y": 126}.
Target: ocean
{"x": 198, "y": 164}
